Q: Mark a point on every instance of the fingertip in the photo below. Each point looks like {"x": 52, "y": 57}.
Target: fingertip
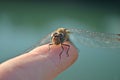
{"x": 59, "y": 62}
{"x": 67, "y": 61}
{"x": 41, "y": 63}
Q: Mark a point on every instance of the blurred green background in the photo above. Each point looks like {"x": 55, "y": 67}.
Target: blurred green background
{"x": 24, "y": 23}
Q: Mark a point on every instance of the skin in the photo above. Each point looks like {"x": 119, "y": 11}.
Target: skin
{"x": 38, "y": 64}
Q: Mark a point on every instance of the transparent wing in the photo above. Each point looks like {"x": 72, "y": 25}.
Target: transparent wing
{"x": 45, "y": 40}
{"x": 95, "y": 39}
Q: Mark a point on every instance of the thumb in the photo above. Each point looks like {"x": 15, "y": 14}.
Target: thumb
{"x": 41, "y": 63}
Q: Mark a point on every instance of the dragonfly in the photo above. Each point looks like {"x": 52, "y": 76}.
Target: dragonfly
{"x": 97, "y": 39}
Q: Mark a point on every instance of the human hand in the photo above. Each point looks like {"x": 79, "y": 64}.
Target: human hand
{"x": 38, "y": 64}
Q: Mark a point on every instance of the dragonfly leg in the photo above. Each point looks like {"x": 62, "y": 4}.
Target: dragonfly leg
{"x": 61, "y": 51}
{"x": 67, "y": 49}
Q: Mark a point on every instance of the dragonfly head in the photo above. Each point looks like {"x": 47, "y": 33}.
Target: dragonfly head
{"x": 60, "y": 35}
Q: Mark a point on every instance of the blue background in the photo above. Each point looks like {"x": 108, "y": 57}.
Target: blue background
{"x": 24, "y": 23}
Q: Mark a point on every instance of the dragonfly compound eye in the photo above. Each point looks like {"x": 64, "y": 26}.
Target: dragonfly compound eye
{"x": 61, "y": 35}
{"x": 54, "y": 34}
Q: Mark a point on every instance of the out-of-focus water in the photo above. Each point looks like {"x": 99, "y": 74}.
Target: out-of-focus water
{"x": 23, "y": 24}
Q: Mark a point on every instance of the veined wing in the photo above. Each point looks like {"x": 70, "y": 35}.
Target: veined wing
{"x": 96, "y": 39}
{"x": 45, "y": 40}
